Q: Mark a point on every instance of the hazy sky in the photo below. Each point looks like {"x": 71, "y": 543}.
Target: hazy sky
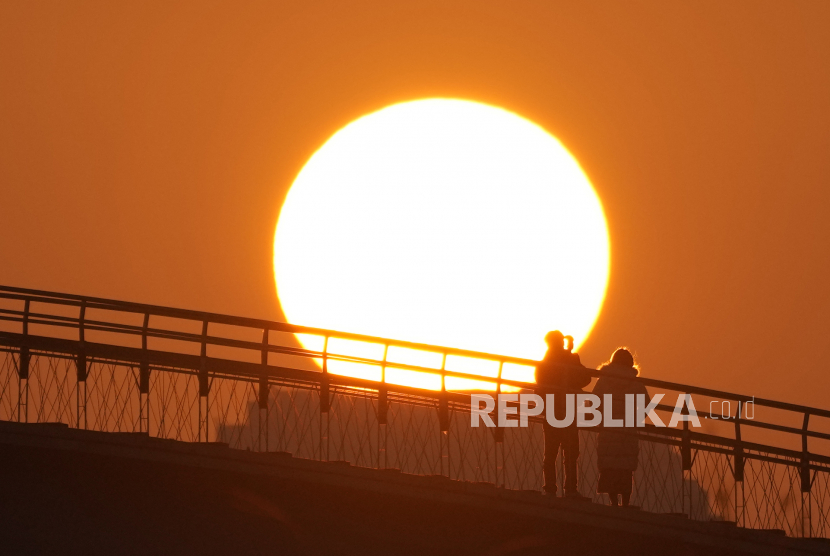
{"x": 145, "y": 149}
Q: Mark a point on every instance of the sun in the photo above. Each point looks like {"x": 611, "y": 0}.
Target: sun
{"x": 446, "y": 222}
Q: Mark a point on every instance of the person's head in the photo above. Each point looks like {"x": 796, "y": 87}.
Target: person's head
{"x": 623, "y": 358}
{"x": 555, "y": 340}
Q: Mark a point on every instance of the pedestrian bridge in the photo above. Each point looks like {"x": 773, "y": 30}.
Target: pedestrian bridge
{"x": 113, "y": 366}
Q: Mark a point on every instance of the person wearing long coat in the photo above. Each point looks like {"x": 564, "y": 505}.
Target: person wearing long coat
{"x": 618, "y": 450}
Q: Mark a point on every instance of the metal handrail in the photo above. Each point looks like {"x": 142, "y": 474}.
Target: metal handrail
{"x": 40, "y": 296}
{"x": 28, "y": 317}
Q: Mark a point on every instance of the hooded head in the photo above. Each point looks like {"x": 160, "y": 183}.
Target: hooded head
{"x": 622, "y": 363}
{"x": 622, "y": 357}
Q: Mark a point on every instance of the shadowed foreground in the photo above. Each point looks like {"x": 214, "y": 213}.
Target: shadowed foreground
{"x": 73, "y": 491}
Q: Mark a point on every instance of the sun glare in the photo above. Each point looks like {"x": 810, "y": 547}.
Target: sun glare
{"x": 446, "y": 222}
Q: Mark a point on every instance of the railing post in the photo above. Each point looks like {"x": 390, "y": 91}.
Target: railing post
{"x": 324, "y": 404}
{"x": 82, "y": 368}
{"x": 498, "y": 433}
{"x": 383, "y": 412}
{"x": 686, "y": 461}
{"x": 264, "y": 389}
{"x": 806, "y": 482}
{"x": 23, "y": 372}
{"x": 738, "y": 471}
{"x": 144, "y": 381}
{"x": 204, "y": 387}
{"x": 444, "y": 419}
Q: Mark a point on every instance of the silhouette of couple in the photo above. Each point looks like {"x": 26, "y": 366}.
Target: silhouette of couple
{"x": 560, "y": 373}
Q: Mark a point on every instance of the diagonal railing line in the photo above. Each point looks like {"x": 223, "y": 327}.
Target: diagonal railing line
{"x": 446, "y": 372}
{"x": 24, "y": 294}
{"x": 461, "y": 401}
{"x": 317, "y": 354}
{"x": 204, "y": 364}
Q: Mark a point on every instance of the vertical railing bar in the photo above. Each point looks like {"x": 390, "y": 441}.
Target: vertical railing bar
{"x": 443, "y": 415}
{"x": 26, "y": 305}
{"x": 144, "y": 328}
{"x": 383, "y": 412}
{"x": 738, "y": 469}
{"x": 449, "y": 438}
{"x": 264, "y": 389}
{"x": 806, "y": 483}
{"x": 324, "y": 403}
{"x": 204, "y": 386}
{"x": 686, "y": 462}
{"x": 144, "y": 381}
{"x": 499, "y": 432}
{"x": 23, "y": 370}
{"x": 81, "y": 365}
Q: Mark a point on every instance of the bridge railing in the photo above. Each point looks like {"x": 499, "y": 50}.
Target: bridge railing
{"x": 383, "y": 403}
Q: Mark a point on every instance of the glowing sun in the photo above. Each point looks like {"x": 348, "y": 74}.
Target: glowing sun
{"x": 445, "y": 222}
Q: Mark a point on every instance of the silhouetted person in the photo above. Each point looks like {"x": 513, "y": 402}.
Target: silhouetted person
{"x": 618, "y": 450}
{"x": 559, "y": 374}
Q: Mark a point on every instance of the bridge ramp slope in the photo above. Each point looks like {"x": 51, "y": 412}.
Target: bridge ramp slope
{"x": 68, "y": 491}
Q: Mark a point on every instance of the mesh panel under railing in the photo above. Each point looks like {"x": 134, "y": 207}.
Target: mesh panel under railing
{"x": 769, "y": 497}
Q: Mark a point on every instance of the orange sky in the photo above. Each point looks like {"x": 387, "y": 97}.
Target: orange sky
{"x": 145, "y": 149}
